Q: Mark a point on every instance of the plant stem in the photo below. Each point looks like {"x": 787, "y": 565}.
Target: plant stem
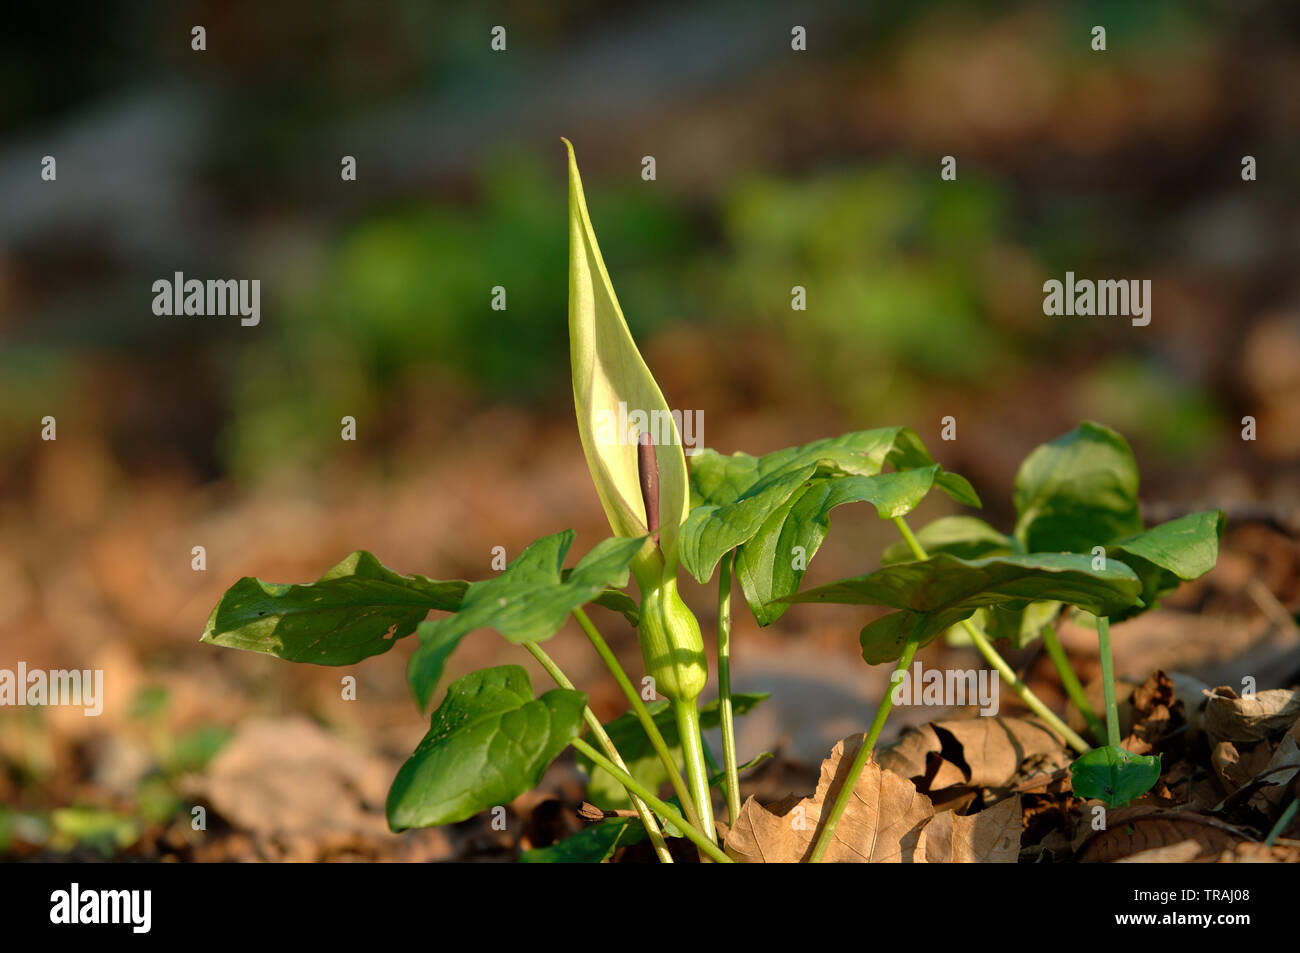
{"x": 1108, "y": 681}
{"x": 909, "y": 537}
{"x": 1070, "y": 681}
{"x": 724, "y": 689}
{"x": 665, "y": 810}
{"x": 642, "y": 715}
{"x": 991, "y": 655}
{"x": 688, "y": 728}
{"x": 1282, "y": 822}
{"x": 864, "y": 753}
{"x": 1072, "y": 737}
{"x": 598, "y": 731}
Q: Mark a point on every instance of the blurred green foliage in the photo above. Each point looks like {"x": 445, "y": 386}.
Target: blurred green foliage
{"x": 408, "y": 293}
{"x": 385, "y": 296}
{"x": 887, "y": 256}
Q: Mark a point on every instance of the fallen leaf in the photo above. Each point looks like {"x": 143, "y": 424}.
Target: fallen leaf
{"x": 1253, "y": 718}
{"x": 887, "y": 821}
{"x": 917, "y": 755}
{"x": 1235, "y": 768}
{"x": 1249, "y": 852}
{"x": 976, "y": 752}
{"x": 991, "y": 836}
{"x": 1149, "y": 831}
{"x": 284, "y": 777}
{"x": 1184, "y": 852}
{"x": 1190, "y": 692}
{"x": 1157, "y": 714}
{"x": 1274, "y": 782}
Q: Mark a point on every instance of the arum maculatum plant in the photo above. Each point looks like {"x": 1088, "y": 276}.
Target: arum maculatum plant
{"x": 752, "y": 521}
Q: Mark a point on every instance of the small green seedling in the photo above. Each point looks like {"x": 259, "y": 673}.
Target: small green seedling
{"x": 752, "y": 520}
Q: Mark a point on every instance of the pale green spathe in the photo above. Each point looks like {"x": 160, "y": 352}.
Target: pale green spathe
{"x": 608, "y": 370}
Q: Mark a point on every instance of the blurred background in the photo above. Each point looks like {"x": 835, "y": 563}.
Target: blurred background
{"x": 774, "y": 168}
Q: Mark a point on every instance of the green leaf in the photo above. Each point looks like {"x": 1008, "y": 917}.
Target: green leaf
{"x": 1114, "y": 775}
{"x": 943, "y": 581}
{"x": 592, "y": 845}
{"x": 719, "y": 479}
{"x": 488, "y": 742}
{"x": 767, "y": 566}
{"x": 528, "y": 602}
{"x": 633, "y": 744}
{"x": 883, "y": 640}
{"x": 711, "y": 531}
{"x": 1076, "y": 492}
{"x": 941, "y": 591}
{"x": 618, "y": 601}
{"x": 611, "y": 383}
{"x": 967, "y": 537}
{"x": 765, "y": 507}
{"x": 1019, "y": 625}
{"x": 719, "y": 779}
{"x": 1170, "y": 553}
{"x": 909, "y": 453}
{"x": 429, "y": 660}
{"x": 356, "y": 610}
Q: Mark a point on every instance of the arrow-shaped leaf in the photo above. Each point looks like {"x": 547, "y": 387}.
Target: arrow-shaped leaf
{"x": 1076, "y": 492}
{"x": 943, "y": 590}
{"x": 1173, "y": 552}
{"x": 356, "y": 610}
{"x": 747, "y": 503}
{"x": 772, "y": 564}
{"x": 720, "y": 479}
{"x": 712, "y": 530}
{"x": 528, "y": 602}
{"x": 488, "y": 742}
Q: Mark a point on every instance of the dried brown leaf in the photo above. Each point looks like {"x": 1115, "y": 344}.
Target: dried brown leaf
{"x": 918, "y": 756}
{"x": 975, "y": 752}
{"x": 284, "y": 777}
{"x": 1157, "y": 714}
{"x": 1248, "y": 852}
{"x": 1275, "y": 779}
{"x": 1159, "y": 835}
{"x": 886, "y": 821}
{"x": 1254, "y": 718}
{"x": 1235, "y": 767}
{"x": 1183, "y": 852}
{"x": 991, "y": 836}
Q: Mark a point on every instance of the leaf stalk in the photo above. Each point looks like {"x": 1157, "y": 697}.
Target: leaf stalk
{"x": 598, "y": 731}
{"x": 991, "y": 655}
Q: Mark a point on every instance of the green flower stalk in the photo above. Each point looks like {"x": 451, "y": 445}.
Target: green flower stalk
{"x": 634, "y": 452}
{"x": 671, "y": 643}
